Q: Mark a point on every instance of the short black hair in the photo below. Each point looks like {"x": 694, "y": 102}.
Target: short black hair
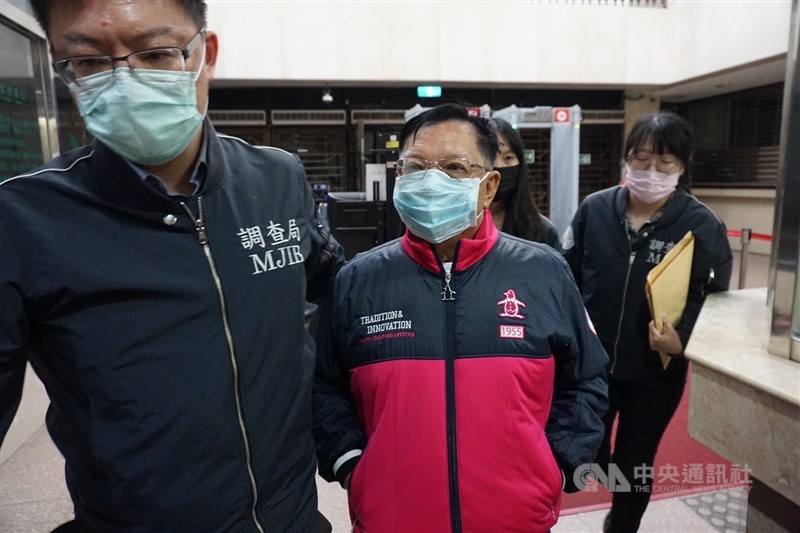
{"x": 667, "y": 131}
{"x": 487, "y": 138}
{"x": 196, "y": 9}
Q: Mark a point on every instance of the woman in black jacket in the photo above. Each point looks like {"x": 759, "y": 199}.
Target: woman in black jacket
{"x": 513, "y": 209}
{"x": 617, "y": 236}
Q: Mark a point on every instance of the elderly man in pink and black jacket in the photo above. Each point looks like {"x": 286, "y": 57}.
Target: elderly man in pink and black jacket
{"x": 459, "y": 383}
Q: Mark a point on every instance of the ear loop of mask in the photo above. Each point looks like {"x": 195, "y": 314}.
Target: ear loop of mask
{"x": 480, "y": 213}
{"x": 200, "y": 70}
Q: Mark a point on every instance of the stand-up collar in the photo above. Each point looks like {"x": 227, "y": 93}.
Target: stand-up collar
{"x": 468, "y": 251}
{"x": 669, "y": 211}
{"x": 119, "y": 183}
{"x": 197, "y": 178}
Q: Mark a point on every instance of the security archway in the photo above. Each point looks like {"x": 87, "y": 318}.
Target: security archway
{"x": 564, "y": 125}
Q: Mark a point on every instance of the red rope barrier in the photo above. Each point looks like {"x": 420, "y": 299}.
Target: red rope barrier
{"x": 753, "y": 235}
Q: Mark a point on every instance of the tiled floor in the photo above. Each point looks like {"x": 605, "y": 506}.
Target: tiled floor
{"x": 725, "y": 510}
{"x": 33, "y": 497}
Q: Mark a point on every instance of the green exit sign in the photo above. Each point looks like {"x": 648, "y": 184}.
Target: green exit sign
{"x": 530, "y": 156}
{"x": 429, "y": 91}
{"x": 584, "y": 159}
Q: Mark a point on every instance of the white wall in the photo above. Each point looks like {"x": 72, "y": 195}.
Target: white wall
{"x": 728, "y": 33}
{"x": 493, "y": 42}
{"x": 743, "y": 208}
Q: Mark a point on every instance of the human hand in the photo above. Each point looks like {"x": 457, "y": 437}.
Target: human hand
{"x": 668, "y": 342}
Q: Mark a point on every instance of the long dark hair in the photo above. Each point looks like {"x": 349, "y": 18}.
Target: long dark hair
{"x": 522, "y": 217}
{"x": 667, "y": 132}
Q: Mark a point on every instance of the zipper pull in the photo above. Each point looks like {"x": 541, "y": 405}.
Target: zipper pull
{"x": 200, "y": 228}
{"x": 199, "y": 225}
{"x": 448, "y": 294}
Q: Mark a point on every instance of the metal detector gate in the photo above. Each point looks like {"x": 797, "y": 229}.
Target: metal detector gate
{"x": 363, "y": 219}
{"x": 564, "y": 124}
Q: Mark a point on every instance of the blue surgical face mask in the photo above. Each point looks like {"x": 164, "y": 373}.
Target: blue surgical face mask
{"x": 436, "y": 207}
{"x": 146, "y": 116}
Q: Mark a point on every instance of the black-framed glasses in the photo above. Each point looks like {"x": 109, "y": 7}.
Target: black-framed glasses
{"x": 643, "y": 161}
{"x": 73, "y": 69}
{"x": 455, "y": 167}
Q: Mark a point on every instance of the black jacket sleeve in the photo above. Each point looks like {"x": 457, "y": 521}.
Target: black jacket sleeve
{"x": 337, "y": 429}
{"x": 580, "y": 398}
{"x": 14, "y": 331}
{"x": 551, "y": 238}
{"x": 326, "y": 254}
{"x": 711, "y": 272}
{"x": 572, "y": 245}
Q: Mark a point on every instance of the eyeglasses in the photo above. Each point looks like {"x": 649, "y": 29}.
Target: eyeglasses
{"x": 643, "y": 161}
{"x": 455, "y": 167}
{"x": 73, "y": 69}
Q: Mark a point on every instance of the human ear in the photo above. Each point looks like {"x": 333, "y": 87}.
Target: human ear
{"x": 492, "y": 183}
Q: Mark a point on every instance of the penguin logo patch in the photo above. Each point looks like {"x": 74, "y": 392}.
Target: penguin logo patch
{"x": 511, "y": 306}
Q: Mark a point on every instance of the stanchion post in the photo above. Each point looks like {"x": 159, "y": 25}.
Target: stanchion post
{"x": 743, "y": 259}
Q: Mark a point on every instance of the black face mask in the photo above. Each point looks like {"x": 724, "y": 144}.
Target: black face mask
{"x": 509, "y": 182}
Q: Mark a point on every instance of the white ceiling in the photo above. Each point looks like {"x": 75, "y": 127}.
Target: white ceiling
{"x": 765, "y": 72}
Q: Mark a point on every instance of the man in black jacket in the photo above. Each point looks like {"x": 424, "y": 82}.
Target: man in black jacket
{"x": 156, "y": 281}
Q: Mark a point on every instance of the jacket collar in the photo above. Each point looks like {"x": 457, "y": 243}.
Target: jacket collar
{"x": 197, "y": 178}
{"x": 118, "y": 182}
{"x": 670, "y": 211}
{"x": 468, "y": 251}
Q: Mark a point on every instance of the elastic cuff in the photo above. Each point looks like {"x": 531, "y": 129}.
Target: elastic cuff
{"x": 345, "y": 465}
{"x": 346, "y": 469}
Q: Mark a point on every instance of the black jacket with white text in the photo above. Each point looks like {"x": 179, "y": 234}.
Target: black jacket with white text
{"x": 611, "y": 272}
{"x": 169, "y": 335}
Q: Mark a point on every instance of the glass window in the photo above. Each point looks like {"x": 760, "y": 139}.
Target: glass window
{"x": 24, "y": 142}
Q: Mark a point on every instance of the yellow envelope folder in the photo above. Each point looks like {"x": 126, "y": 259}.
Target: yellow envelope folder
{"x": 668, "y": 286}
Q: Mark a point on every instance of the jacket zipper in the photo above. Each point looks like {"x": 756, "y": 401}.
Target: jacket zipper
{"x": 449, "y": 298}
{"x": 202, "y": 239}
{"x": 624, "y": 297}
{"x": 448, "y": 294}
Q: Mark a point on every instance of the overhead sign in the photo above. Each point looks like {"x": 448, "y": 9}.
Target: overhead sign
{"x": 429, "y": 91}
{"x": 530, "y": 156}
{"x": 561, "y": 114}
{"x": 392, "y": 143}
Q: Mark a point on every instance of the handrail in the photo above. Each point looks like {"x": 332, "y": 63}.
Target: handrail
{"x": 746, "y": 234}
